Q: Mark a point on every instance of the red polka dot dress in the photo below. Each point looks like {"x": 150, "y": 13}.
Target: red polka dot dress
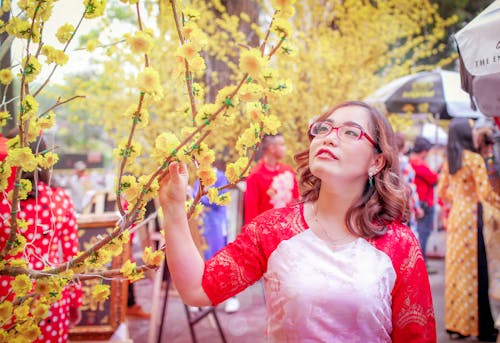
{"x": 51, "y": 239}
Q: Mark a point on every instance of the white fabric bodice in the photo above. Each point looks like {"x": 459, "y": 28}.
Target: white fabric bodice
{"x": 342, "y": 294}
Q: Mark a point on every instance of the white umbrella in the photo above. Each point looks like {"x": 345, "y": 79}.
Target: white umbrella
{"x": 435, "y": 134}
{"x": 479, "y": 48}
{"x": 437, "y": 92}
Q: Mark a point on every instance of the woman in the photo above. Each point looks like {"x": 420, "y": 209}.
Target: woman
{"x": 339, "y": 266}
{"x": 51, "y": 239}
{"x": 464, "y": 184}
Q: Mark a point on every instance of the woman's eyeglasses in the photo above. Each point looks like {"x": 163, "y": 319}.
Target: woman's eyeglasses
{"x": 346, "y": 133}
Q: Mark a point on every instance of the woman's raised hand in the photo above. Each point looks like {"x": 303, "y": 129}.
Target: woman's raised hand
{"x": 173, "y": 186}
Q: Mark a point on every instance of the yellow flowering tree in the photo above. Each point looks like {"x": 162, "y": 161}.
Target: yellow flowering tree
{"x": 334, "y": 51}
{"x": 188, "y": 138}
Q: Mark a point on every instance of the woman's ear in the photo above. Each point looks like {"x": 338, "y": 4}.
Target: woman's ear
{"x": 377, "y": 164}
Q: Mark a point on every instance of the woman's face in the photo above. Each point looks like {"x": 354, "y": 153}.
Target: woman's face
{"x": 344, "y": 161}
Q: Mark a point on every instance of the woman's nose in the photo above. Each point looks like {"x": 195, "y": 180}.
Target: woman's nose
{"x": 331, "y": 138}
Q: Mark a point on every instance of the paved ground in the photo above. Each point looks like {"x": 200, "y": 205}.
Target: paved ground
{"x": 248, "y": 324}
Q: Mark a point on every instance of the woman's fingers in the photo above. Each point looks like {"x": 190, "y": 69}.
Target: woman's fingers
{"x": 173, "y": 185}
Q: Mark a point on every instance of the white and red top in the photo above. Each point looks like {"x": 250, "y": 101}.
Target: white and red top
{"x": 373, "y": 290}
{"x": 51, "y": 239}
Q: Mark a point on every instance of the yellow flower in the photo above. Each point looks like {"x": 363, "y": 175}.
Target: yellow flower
{"x": 5, "y": 311}
{"x": 225, "y": 97}
{"x": 31, "y": 68}
{"x": 130, "y": 272}
{"x": 130, "y": 152}
{"x": 224, "y": 199}
{"x": 92, "y": 44}
{"x": 60, "y": 57}
{"x": 21, "y": 285}
{"x": 250, "y": 92}
{"x": 4, "y": 116}
{"x": 197, "y": 64}
{"x": 22, "y": 157}
{"x": 6, "y": 76}
{"x": 47, "y": 160}
{"x": 248, "y": 139}
{"x": 187, "y": 51}
{"x": 149, "y": 82}
{"x": 101, "y": 292}
{"x": 22, "y": 225}
{"x": 271, "y": 124}
{"x": 241, "y": 163}
{"x": 152, "y": 258}
{"x": 288, "y": 49}
{"x": 18, "y": 263}
{"x": 6, "y": 5}
{"x": 21, "y": 312}
{"x": 192, "y": 14}
{"x": 40, "y": 310}
{"x": 46, "y": 121}
{"x": 94, "y": 8}
{"x": 17, "y": 245}
{"x": 152, "y": 190}
{"x": 232, "y": 173}
{"x": 65, "y": 32}
{"x": 282, "y": 27}
{"x": 140, "y": 42}
{"x": 207, "y": 176}
{"x": 29, "y": 330}
{"x": 213, "y": 195}
{"x": 42, "y": 287}
{"x": 18, "y": 27}
{"x": 253, "y": 63}
{"x": 141, "y": 118}
{"x": 198, "y": 90}
{"x": 234, "y": 170}
{"x": 205, "y": 156}
{"x": 124, "y": 237}
{"x": 29, "y": 107}
{"x": 165, "y": 145}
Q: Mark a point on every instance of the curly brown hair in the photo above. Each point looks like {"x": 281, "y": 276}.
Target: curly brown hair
{"x": 379, "y": 205}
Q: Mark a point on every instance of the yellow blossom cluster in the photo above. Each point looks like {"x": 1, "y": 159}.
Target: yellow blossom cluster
{"x": 54, "y": 55}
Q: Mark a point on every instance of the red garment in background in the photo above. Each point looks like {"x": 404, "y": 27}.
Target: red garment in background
{"x": 266, "y": 189}
{"x": 425, "y": 180}
{"x": 51, "y": 237}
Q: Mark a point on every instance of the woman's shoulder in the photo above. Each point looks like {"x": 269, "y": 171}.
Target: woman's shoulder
{"x": 397, "y": 241}
{"x": 285, "y": 219}
{"x": 284, "y": 213}
{"x": 472, "y": 157}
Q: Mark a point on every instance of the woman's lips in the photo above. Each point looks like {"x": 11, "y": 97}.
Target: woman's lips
{"x": 326, "y": 153}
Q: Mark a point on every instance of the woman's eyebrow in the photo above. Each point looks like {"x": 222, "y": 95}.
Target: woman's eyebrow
{"x": 349, "y": 122}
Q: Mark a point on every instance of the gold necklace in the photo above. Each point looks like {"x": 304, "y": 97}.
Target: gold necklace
{"x": 331, "y": 241}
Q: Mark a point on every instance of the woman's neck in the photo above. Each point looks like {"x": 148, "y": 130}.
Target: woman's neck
{"x": 332, "y": 207}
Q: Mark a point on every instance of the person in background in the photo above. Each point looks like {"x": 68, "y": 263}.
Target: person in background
{"x": 425, "y": 180}
{"x": 271, "y": 183}
{"x": 409, "y": 176}
{"x": 51, "y": 239}
{"x": 464, "y": 184}
{"x": 483, "y": 134}
{"x": 79, "y": 186}
{"x": 337, "y": 267}
{"x": 215, "y": 229}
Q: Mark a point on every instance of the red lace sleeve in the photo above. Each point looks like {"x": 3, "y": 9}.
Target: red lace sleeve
{"x": 244, "y": 261}
{"x": 412, "y": 311}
